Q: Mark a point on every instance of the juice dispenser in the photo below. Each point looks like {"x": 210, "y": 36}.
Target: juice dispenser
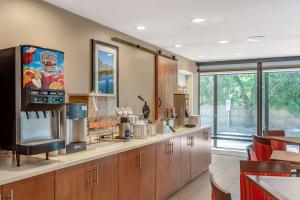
{"x": 32, "y": 85}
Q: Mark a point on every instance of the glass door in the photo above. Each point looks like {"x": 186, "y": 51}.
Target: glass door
{"x": 236, "y": 108}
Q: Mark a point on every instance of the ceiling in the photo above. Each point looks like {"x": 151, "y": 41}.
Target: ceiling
{"x": 168, "y": 22}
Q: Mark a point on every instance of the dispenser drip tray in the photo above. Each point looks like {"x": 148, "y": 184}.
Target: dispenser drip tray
{"x": 38, "y": 147}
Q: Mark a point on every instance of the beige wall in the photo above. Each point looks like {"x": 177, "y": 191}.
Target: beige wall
{"x": 38, "y": 23}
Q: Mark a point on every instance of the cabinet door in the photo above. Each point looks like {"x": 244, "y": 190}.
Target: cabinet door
{"x": 185, "y": 159}
{"x": 174, "y": 172}
{"x": 129, "y": 183}
{"x": 38, "y": 188}
{"x": 207, "y": 144}
{"x": 147, "y": 173}
{"x": 105, "y": 178}
{"x": 163, "y": 152}
{"x": 1, "y": 193}
{"x": 73, "y": 183}
{"x": 197, "y": 154}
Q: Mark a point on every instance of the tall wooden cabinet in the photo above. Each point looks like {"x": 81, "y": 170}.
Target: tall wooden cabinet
{"x": 137, "y": 174}
{"x": 167, "y": 167}
{"x": 39, "y": 188}
{"x": 165, "y": 84}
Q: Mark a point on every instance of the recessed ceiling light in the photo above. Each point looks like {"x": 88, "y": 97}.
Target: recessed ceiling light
{"x": 238, "y": 54}
{"x": 198, "y": 20}
{"x": 201, "y": 56}
{"x": 178, "y": 45}
{"x": 256, "y": 38}
{"x": 223, "y": 41}
{"x": 140, "y": 27}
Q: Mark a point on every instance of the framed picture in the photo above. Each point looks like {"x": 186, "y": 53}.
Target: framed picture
{"x": 105, "y": 69}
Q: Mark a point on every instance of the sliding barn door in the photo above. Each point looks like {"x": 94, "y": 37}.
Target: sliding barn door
{"x": 165, "y": 84}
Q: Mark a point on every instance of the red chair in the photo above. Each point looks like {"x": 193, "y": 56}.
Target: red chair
{"x": 262, "y": 148}
{"x": 251, "y": 153}
{"x": 218, "y": 193}
{"x": 250, "y": 191}
{"x": 275, "y": 144}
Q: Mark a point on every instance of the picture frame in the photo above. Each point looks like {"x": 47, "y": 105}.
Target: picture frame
{"x": 105, "y": 69}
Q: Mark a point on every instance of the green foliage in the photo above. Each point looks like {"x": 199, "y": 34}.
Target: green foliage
{"x": 284, "y": 90}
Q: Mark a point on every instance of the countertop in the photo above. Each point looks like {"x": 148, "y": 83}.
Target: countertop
{"x": 37, "y": 165}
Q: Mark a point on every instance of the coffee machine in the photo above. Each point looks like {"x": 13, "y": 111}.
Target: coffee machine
{"x": 74, "y": 127}
{"x": 32, "y": 87}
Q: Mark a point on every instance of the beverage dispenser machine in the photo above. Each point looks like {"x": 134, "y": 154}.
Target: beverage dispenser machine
{"x": 74, "y": 127}
{"x": 32, "y": 86}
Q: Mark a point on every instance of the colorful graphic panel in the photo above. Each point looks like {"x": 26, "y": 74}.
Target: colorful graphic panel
{"x": 42, "y": 68}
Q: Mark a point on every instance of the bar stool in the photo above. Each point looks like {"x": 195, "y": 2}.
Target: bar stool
{"x": 262, "y": 148}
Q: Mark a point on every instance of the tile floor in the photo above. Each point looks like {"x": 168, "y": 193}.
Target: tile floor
{"x": 226, "y": 172}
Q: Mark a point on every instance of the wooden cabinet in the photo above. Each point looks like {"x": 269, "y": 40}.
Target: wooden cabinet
{"x": 207, "y": 146}
{"x": 165, "y": 84}
{"x": 185, "y": 154}
{"x": 74, "y": 183}
{"x": 197, "y": 154}
{"x": 200, "y": 152}
{"x": 39, "y": 188}
{"x": 105, "y": 178}
{"x": 167, "y": 167}
{"x": 147, "y": 173}
{"x": 137, "y": 174}
{"x": 129, "y": 186}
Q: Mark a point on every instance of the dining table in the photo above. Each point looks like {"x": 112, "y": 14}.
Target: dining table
{"x": 287, "y": 140}
{"x": 278, "y": 187}
{"x": 292, "y": 158}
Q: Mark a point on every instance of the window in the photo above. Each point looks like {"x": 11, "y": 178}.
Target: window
{"x": 230, "y": 100}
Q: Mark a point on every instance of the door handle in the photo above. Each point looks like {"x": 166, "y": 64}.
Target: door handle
{"x": 90, "y": 176}
{"x": 159, "y": 102}
{"x": 141, "y": 159}
{"x": 192, "y": 141}
{"x": 95, "y": 173}
{"x": 10, "y": 195}
{"x": 168, "y": 147}
{"x": 138, "y": 158}
{"x": 172, "y": 148}
{"x": 188, "y": 140}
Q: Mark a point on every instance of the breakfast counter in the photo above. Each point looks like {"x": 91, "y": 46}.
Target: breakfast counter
{"x": 36, "y": 165}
